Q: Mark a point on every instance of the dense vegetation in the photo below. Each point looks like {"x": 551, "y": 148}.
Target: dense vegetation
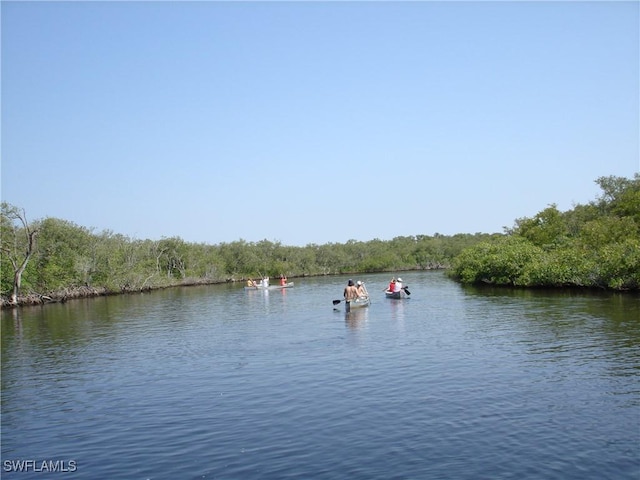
{"x": 593, "y": 245}
{"x": 69, "y": 260}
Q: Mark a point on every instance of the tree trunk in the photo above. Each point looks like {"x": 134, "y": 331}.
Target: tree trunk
{"x": 17, "y": 277}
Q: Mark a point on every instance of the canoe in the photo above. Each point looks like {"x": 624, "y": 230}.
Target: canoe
{"x": 359, "y": 302}
{"x": 270, "y": 287}
{"x": 397, "y": 295}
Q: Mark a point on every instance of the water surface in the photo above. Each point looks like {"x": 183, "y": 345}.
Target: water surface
{"x": 216, "y": 382}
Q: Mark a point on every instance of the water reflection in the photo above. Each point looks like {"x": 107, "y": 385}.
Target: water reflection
{"x": 356, "y": 318}
{"x": 260, "y": 295}
{"x": 397, "y": 310}
{"x": 550, "y": 318}
{"x": 218, "y": 382}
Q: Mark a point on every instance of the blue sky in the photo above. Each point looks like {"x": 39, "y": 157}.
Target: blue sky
{"x": 314, "y": 122}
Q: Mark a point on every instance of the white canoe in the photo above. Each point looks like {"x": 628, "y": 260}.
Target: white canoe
{"x": 359, "y": 302}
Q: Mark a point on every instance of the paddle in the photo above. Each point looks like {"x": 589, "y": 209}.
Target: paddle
{"x": 406, "y": 290}
{"x": 335, "y": 302}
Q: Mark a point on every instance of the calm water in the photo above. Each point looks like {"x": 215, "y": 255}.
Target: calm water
{"x": 216, "y": 382}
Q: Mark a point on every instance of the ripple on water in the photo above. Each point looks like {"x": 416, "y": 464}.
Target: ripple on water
{"x": 218, "y": 383}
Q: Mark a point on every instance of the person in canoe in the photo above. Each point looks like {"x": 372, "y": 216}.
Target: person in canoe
{"x": 283, "y": 280}
{"x": 398, "y": 285}
{"x": 350, "y": 292}
{"x": 392, "y": 285}
{"x": 361, "y": 289}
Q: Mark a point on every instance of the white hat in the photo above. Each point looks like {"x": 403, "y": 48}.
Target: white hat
{"x": 359, "y": 282}
{"x": 399, "y": 279}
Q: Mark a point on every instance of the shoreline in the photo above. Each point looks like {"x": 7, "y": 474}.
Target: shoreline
{"x": 85, "y": 291}
{"x": 76, "y": 293}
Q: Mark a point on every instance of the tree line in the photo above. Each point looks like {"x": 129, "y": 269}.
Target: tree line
{"x": 53, "y": 259}
{"x": 592, "y": 245}
{"x": 596, "y": 245}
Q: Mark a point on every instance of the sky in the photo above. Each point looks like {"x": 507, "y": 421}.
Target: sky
{"x": 314, "y": 122}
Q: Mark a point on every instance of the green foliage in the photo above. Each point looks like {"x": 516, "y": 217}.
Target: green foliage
{"x": 595, "y": 245}
{"x": 606, "y": 230}
{"x": 17, "y": 245}
{"x": 502, "y": 261}
{"x": 61, "y": 257}
{"x": 618, "y": 265}
{"x": 621, "y": 198}
{"x": 12, "y": 243}
{"x": 561, "y": 267}
{"x": 547, "y": 229}
{"x": 71, "y": 256}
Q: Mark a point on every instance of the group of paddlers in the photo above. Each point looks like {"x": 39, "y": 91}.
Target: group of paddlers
{"x": 395, "y": 285}
{"x": 264, "y": 282}
{"x": 354, "y": 291}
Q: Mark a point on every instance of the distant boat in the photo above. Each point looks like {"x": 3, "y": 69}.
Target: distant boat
{"x": 402, "y": 293}
{"x": 260, "y": 286}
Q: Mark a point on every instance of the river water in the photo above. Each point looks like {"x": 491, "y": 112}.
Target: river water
{"x": 218, "y": 382}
